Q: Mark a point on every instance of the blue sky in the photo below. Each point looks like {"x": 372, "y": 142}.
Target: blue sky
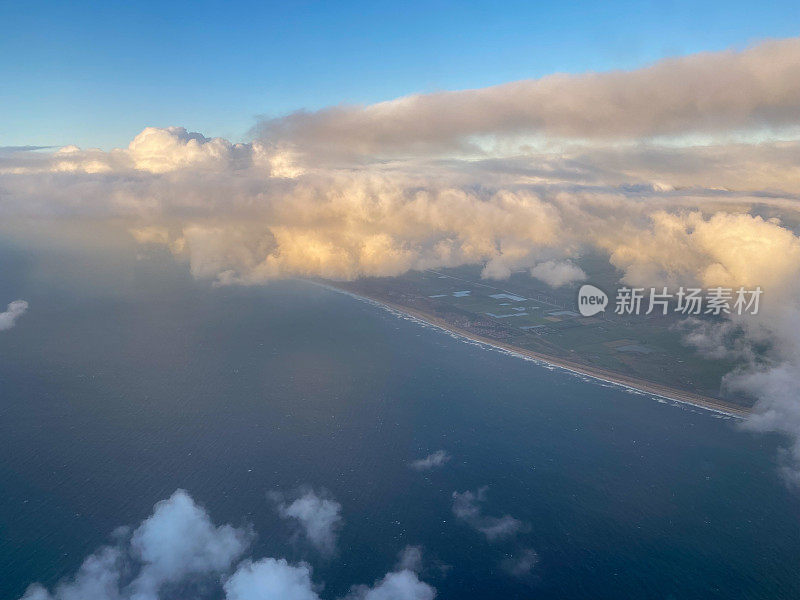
{"x": 95, "y": 74}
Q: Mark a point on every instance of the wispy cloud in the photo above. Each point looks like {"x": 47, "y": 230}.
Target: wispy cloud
{"x": 10, "y": 149}
{"x": 521, "y": 563}
{"x": 432, "y": 461}
{"x": 410, "y": 559}
{"x": 467, "y": 506}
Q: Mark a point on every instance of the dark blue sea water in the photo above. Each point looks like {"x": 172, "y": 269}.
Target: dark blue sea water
{"x": 122, "y": 384}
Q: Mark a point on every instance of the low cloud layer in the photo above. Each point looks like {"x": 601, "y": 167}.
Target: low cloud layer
{"x": 178, "y": 552}
{"x": 682, "y": 173}
{"x": 467, "y": 506}
{"x": 14, "y": 311}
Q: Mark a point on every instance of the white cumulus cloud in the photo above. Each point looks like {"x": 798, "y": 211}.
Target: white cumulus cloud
{"x": 398, "y": 585}
{"x": 178, "y": 552}
{"x": 318, "y": 516}
{"x": 177, "y": 543}
{"x": 270, "y": 579}
{"x": 558, "y": 273}
{"x": 14, "y": 311}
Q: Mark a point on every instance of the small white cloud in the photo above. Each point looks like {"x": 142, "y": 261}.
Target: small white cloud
{"x": 432, "y": 461}
{"x": 15, "y": 310}
{"x": 398, "y": 585}
{"x": 466, "y": 506}
{"x": 555, "y": 274}
{"x": 270, "y": 579}
{"x": 318, "y": 516}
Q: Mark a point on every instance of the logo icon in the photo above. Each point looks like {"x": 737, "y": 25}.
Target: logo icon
{"x": 591, "y": 300}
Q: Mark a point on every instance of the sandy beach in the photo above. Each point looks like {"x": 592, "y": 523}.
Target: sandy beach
{"x": 630, "y": 383}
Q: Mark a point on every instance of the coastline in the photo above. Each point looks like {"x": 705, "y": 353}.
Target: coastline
{"x": 631, "y": 384}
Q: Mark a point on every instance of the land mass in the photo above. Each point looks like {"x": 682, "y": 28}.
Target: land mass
{"x": 641, "y": 355}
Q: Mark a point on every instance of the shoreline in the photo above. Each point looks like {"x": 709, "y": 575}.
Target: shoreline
{"x": 631, "y": 384}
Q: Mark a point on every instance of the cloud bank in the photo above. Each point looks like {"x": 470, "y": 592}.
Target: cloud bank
{"x": 706, "y": 92}
{"x": 684, "y": 172}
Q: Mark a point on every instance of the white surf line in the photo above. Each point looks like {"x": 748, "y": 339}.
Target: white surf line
{"x": 538, "y": 361}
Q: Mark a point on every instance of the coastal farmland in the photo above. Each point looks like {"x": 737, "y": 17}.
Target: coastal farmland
{"x": 525, "y": 313}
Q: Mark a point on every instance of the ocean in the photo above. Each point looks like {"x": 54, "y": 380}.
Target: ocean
{"x": 124, "y": 383}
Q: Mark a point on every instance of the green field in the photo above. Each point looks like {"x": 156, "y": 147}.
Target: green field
{"x": 650, "y": 348}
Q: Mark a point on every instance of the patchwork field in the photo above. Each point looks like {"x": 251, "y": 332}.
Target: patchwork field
{"x": 528, "y": 314}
